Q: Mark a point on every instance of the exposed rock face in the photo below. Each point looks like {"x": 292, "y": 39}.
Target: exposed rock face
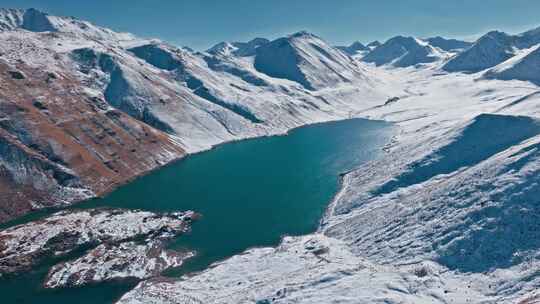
{"x": 26, "y": 245}
{"x": 107, "y": 262}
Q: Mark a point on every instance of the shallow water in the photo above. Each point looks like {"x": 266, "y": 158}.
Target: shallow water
{"x": 250, "y": 193}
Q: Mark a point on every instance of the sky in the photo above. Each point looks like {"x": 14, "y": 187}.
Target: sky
{"x": 202, "y": 23}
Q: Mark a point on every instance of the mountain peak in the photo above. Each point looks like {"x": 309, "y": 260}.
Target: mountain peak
{"x": 448, "y": 45}
{"x": 303, "y": 34}
{"x": 355, "y": 48}
{"x": 402, "y": 51}
{"x": 238, "y": 48}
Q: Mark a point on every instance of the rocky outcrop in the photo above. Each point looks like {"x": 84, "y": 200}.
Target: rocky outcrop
{"x": 26, "y": 245}
{"x": 108, "y": 262}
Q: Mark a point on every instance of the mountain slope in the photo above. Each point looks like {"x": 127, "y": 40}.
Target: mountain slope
{"x": 525, "y": 66}
{"x": 449, "y": 45}
{"x": 490, "y": 50}
{"x": 356, "y": 48}
{"x": 238, "y": 48}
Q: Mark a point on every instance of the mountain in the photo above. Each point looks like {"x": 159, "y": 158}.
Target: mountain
{"x": 488, "y": 51}
{"x": 492, "y": 49}
{"x": 373, "y": 45}
{"x": 238, "y": 48}
{"x": 524, "y": 66}
{"x": 528, "y": 39}
{"x": 36, "y": 21}
{"x": 307, "y": 60}
{"x": 356, "y": 48}
{"x": 402, "y": 52}
{"x": 449, "y": 45}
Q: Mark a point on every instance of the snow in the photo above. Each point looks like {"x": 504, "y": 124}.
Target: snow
{"x": 523, "y": 66}
{"x": 26, "y": 245}
{"x": 311, "y": 269}
{"x": 449, "y": 45}
{"x": 106, "y": 262}
{"x": 403, "y": 52}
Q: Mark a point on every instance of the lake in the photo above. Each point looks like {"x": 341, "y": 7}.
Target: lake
{"x": 250, "y": 193}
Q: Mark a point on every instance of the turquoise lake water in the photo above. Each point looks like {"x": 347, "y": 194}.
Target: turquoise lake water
{"x": 250, "y": 193}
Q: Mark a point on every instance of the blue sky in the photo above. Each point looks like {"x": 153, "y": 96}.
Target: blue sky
{"x": 202, "y": 23}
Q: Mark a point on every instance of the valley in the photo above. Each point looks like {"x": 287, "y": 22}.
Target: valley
{"x": 443, "y": 210}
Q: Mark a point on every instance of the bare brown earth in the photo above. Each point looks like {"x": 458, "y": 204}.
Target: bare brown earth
{"x": 55, "y": 142}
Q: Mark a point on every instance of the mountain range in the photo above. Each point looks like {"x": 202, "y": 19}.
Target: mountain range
{"x": 449, "y": 213}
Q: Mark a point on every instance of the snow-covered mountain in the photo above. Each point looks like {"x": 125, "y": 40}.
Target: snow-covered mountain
{"x": 308, "y": 60}
{"x": 373, "y": 45}
{"x": 238, "y": 48}
{"x": 449, "y": 45}
{"x": 355, "y": 49}
{"x": 523, "y": 66}
{"x": 403, "y": 51}
{"x": 492, "y": 49}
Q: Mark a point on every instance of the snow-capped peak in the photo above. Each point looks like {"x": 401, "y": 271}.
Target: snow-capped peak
{"x": 37, "y": 21}
{"x": 488, "y": 51}
{"x": 403, "y": 51}
{"x": 356, "y": 48}
{"x": 449, "y": 45}
{"x": 306, "y": 59}
{"x": 237, "y": 48}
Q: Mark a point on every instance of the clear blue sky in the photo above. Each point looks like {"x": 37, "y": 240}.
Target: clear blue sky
{"x": 202, "y": 23}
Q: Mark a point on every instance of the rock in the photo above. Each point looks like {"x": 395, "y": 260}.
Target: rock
{"x": 129, "y": 260}
{"x": 16, "y": 75}
{"x": 26, "y": 245}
